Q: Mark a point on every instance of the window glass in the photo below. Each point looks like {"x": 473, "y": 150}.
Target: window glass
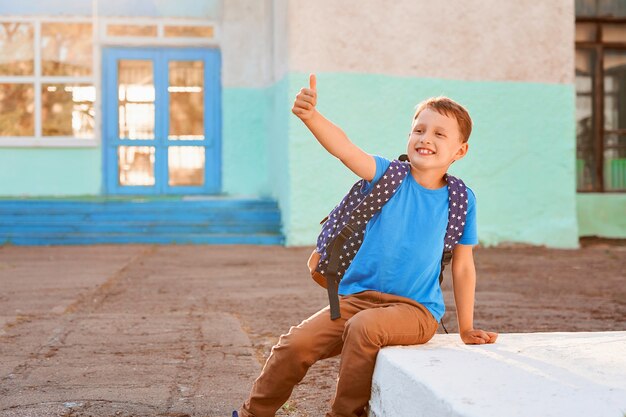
{"x": 16, "y": 110}
{"x": 585, "y": 32}
{"x": 614, "y": 162}
{"x": 186, "y": 165}
{"x": 585, "y": 7}
{"x": 585, "y": 143}
{"x": 188, "y": 31}
{"x": 17, "y": 49}
{"x": 614, "y": 8}
{"x": 136, "y": 165}
{"x": 614, "y": 32}
{"x": 136, "y": 99}
{"x": 186, "y": 92}
{"x": 68, "y": 110}
{"x": 614, "y": 90}
{"x": 595, "y": 8}
{"x": 132, "y": 30}
{"x": 614, "y": 120}
{"x": 66, "y": 49}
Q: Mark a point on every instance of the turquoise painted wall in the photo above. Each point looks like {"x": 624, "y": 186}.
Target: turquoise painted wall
{"x": 520, "y": 162}
{"x": 31, "y": 172}
{"x": 246, "y": 124}
{"x": 602, "y": 215}
{"x": 280, "y": 153}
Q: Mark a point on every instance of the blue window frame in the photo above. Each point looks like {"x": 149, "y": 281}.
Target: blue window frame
{"x": 161, "y": 148}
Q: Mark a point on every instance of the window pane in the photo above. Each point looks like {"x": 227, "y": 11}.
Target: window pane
{"x": 136, "y": 99}
{"x": 66, "y": 49}
{"x": 585, "y": 144}
{"x": 615, "y": 90}
{"x": 16, "y": 110}
{"x": 186, "y": 165}
{"x": 136, "y": 165}
{"x": 67, "y": 110}
{"x": 614, "y": 33}
{"x": 17, "y": 49}
{"x": 186, "y": 93}
{"x": 614, "y": 162}
{"x": 586, "y": 7}
{"x": 615, "y": 8}
{"x": 132, "y": 30}
{"x": 188, "y": 31}
{"x": 585, "y": 32}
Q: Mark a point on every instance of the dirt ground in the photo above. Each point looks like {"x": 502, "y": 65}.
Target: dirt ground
{"x": 142, "y": 330}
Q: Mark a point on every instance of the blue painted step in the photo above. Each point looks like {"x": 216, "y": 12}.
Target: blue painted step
{"x": 211, "y": 220}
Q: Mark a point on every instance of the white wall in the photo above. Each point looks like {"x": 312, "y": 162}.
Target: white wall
{"x": 246, "y": 43}
{"x": 453, "y": 39}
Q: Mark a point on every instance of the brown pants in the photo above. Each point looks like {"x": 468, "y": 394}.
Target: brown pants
{"x": 369, "y": 320}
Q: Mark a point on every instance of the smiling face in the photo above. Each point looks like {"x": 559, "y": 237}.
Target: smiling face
{"x": 434, "y": 141}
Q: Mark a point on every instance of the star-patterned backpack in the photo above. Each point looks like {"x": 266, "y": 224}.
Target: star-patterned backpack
{"x": 344, "y": 227}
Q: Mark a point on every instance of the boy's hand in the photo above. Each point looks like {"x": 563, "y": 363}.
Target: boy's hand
{"x": 304, "y": 106}
{"x": 478, "y": 337}
{"x": 331, "y": 137}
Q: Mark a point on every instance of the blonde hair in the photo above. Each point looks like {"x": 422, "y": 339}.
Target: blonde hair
{"x": 450, "y": 108}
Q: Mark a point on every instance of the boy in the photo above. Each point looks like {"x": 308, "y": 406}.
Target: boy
{"x": 390, "y": 294}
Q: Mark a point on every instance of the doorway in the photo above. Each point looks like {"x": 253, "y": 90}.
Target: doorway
{"x": 161, "y": 121}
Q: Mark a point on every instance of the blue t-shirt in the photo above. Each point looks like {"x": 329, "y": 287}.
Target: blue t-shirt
{"x": 403, "y": 243}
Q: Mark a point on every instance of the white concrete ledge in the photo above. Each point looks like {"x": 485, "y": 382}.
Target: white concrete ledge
{"x": 522, "y": 374}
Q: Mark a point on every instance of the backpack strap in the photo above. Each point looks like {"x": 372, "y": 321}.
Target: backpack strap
{"x": 457, "y": 213}
{"x": 347, "y": 226}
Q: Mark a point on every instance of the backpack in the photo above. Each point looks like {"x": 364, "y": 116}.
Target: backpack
{"x": 344, "y": 227}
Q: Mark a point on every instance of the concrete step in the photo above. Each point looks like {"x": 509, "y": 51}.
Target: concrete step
{"x": 561, "y": 374}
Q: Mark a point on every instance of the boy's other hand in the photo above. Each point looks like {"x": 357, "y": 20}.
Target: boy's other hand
{"x": 304, "y": 105}
{"x": 478, "y": 337}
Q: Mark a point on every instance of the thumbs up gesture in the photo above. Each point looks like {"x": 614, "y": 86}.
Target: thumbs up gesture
{"x": 304, "y": 105}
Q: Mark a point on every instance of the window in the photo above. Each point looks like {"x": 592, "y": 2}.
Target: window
{"x": 16, "y": 109}
{"x": 149, "y": 31}
{"x": 188, "y": 31}
{"x": 161, "y": 131}
{"x": 16, "y": 49}
{"x": 16, "y": 61}
{"x": 163, "y": 32}
{"x": 601, "y": 95}
{"x": 46, "y": 80}
{"x": 49, "y": 74}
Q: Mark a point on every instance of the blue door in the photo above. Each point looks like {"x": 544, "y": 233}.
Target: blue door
{"x": 161, "y": 121}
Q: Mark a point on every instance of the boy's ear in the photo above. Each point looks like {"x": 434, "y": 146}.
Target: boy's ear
{"x": 462, "y": 151}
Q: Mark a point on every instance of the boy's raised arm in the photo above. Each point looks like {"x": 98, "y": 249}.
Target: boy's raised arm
{"x": 330, "y": 136}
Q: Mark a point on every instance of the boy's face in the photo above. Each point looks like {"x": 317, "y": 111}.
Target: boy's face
{"x": 435, "y": 141}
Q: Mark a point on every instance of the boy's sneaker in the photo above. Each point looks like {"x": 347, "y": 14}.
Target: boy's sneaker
{"x": 235, "y": 414}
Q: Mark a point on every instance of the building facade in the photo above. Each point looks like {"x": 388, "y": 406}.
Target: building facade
{"x": 190, "y": 101}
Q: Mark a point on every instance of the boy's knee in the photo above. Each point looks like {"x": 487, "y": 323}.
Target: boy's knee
{"x": 296, "y": 343}
{"x": 365, "y": 330}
